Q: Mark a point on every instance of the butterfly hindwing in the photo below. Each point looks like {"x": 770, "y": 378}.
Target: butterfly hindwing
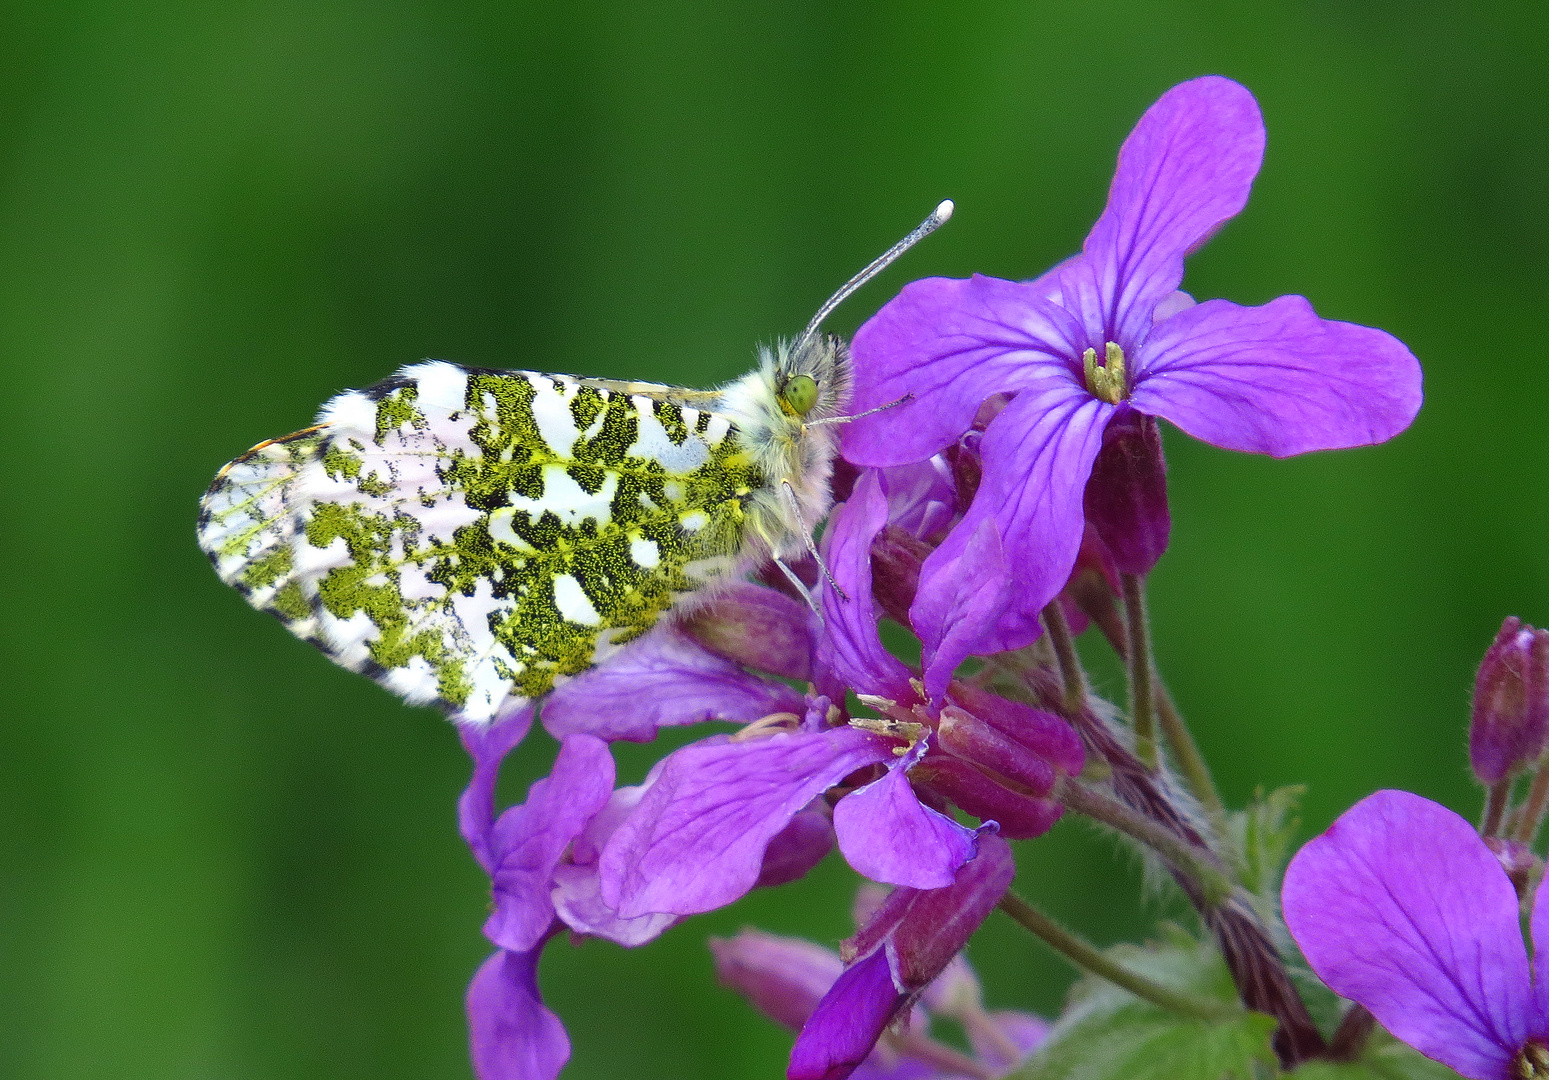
{"x": 469, "y": 536}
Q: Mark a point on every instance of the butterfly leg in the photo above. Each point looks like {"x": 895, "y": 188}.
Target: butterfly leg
{"x": 806, "y": 536}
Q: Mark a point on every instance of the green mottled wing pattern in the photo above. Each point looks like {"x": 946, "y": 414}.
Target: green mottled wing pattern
{"x": 469, "y": 537}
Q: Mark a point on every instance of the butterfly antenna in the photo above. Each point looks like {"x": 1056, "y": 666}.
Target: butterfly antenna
{"x": 938, "y": 217}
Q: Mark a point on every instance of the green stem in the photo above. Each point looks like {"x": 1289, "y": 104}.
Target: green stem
{"x": 1087, "y": 957}
{"x": 1495, "y": 807}
{"x": 1142, "y": 697}
{"x": 1071, "y": 673}
{"x": 1188, "y": 859}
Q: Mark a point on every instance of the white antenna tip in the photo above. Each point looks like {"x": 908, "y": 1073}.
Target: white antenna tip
{"x": 944, "y": 211}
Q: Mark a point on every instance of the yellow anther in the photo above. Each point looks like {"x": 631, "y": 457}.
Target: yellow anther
{"x": 1110, "y": 382}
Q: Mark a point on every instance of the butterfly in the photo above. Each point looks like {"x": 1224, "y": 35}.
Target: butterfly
{"x": 470, "y": 537}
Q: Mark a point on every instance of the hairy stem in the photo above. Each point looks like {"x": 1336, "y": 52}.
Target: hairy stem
{"x": 1071, "y": 673}
{"x": 1183, "y": 856}
{"x": 1532, "y": 811}
{"x": 1142, "y": 697}
{"x": 1088, "y": 957}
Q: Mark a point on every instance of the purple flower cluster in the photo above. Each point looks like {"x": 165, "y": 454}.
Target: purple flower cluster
{"x": 1024, "y": 469}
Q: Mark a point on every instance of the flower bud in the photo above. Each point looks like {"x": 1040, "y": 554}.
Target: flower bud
{"x": 896, "y": 555}
{"x": 970, "y": 738}
{"x": 798, "y": 847}
{"x": 1020, "y": 817}
{"x": 1092, "y": 592}
{"x": 1511, "y": 703}
{"x": 758, "y": 627}
{"x": 1045, "y": 734}
{"x": 940, "y": 921}
{"x": 1126, "y": 497}
{"x": 784, "y": 978}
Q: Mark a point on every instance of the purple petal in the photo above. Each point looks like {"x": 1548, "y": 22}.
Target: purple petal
{"x": 886, "y": 833}
{"x": 950, "y": 343}
{"x": 663, "y": 679}
{"x": 697, "y": 839}
{"x": 1539, "y": 928}
{"x": 952, "y": 623}
{"x": 511, "y": 1035}
{"x": 1183, "y": 172}
{"x": 1038, "y": 454}
{"x": 922, "y": 497}
{"x": 783, "y": 977}
{"x": 488, "y": 746}
{"x": 854, "y": 650}
{"x": 847, "y": 1022}
{"x": 577, "y": 899}
{"x": 1401, "y": 907}
{"x": 1276, "y": 379}
{"x": 529, "y": 840}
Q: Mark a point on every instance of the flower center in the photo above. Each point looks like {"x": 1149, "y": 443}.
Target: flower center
{"x": 1531, "y": 1062}
{"x": 1109, "y": 382}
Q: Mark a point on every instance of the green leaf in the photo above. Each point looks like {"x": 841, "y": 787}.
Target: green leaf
{"x": 1106, "y": 1033}
{"x": 1262, "y": 835}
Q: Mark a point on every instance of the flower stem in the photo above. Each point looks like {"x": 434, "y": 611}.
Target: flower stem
{"x": 1088, "y": 957}
{"x": 1189, "y": 859}
{"x": 1071, "y": 672}
{"x": 1495, "y": 807}
{"x": 1142, "y": 697}
{"x": 1532, "y": 811}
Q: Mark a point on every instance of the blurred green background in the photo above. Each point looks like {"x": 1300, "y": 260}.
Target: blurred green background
{"x": 222, "y": 857}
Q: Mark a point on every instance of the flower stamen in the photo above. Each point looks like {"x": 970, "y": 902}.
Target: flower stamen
{"x": 1531, "y": 1062}
{"x": 1108, "y": 382}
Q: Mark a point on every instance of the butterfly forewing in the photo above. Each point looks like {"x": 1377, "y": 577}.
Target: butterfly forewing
{"x": 469, "y": 536}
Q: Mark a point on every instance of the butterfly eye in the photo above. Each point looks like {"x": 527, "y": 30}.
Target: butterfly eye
{"x": 801, "y": 394}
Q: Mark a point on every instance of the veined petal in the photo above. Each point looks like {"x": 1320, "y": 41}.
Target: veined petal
{"x": 854, "y": 651}
{"x": 950, "y": 343}
{"x": 951, "y": 624}
{"x": 1183, "y": 172}
{"x": 886, "y": 834}
{"x": 1401, "y": 907}
{"x": 577, "y": 899}
{"x": 1038, "y": 454}
{"x": 663, "y": 679}
{"x": 488, "y": 746}
{"x": 528, "y": 841}
{"x": 1276, "y": 379}
{"x": 847, "y": 1023}
{"x": 697, "y": 839}
{"x": 511, "y": 1034}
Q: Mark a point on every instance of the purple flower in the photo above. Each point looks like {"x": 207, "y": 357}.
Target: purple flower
{"x": 1401, "y": 907}
{"x": 703, "y": 832}
{"x": 787, "y": 978}
{"x": 910, "y": 940}
{"x": 1095, "y": 348}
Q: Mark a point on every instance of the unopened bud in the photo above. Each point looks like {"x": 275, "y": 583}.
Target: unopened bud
{"x": 967, "y": 469}
{"x": 1511, "y": 703}
{"x": 1020, "y": 817}
{"x": 1126, "y": 497}
{"x": 940, "y": 921}
{"x": 896, "y": 555}
{"x": 758, "y": 627}
{"x": 1093, "y": 590}
{"x": 783, "y": 977}
{"x": 1045, "y": 734}
{"x": 798, "y": 847}
{"x": 970, "y": 738}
